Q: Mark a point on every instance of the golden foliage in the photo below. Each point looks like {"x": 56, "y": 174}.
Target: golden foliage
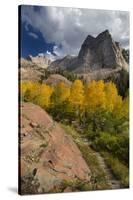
{"x": 76, "y": 98}
{"x": 43, "y": 99}
{"x": 113, "y": 100}
{"x": 36, "y": 92}
{"x": 95, "y": 95}
{"x": 61, "y": 93}
{"x": 124, "y": 109}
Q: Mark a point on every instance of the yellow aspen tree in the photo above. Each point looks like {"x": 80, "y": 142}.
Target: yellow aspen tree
{"x": 76, "y": 98}
{"x": 43, "y": 98}
{"x": 61, "y": 93}
{"x": 95, "y": 95}
{"x": 23, "y": 88}
{"x": 29, "y": 90}
{"x": 64, "y": 92}
{"x": 113, "y": 100}
{"x": 124, "y": 109}
{"x": 24, "y": 85}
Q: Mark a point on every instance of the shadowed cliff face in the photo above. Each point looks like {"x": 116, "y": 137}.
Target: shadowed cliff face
{"x": 101, "y": 52}
{"x": 48, "y": 156}
{"x": 95, "y": 53}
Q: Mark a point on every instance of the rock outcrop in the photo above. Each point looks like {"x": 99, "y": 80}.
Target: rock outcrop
{"x": 33, "y": 68}
{"x": 41, "y": 61}
{"x": 49, "y": 157}
{"x": 97, "y": 53}
{"x": 30, "y": 71}
{"x": 32, "y": 74}
{"x": 55, "y": 79}
{"x": 64, "y": 62}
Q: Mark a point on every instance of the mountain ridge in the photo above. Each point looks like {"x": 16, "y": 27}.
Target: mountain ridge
{"x": 100, "y": 58}
{"x": 95, "y": 53}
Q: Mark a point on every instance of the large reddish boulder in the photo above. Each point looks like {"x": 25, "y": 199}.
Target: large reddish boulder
{"x": 49, "y": 157}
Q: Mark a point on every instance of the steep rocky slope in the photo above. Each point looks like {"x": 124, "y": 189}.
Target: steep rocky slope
{"x": 32, "y": 74}
{"x": 49, "y": 157}
{"x": 63, "y": 63}
{"x": 97, "y": 53}
{"x": 40, "y": 61}
{"x": 30, "y": 71}
{"x": 33, "y": 68}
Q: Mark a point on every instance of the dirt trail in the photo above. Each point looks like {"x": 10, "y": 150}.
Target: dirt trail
{"x": 111, "y": 180}
{"x": 115, "y": 184}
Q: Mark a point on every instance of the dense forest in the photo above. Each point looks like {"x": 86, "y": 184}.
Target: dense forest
{"x": 95, "y": 110}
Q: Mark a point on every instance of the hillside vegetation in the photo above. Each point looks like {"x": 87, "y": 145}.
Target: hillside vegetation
{"x": 95, "y": 110}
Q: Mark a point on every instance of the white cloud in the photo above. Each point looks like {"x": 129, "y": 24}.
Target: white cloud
{"x": 68, "y": 27}
{"x": 33, "y": 35}
{"x": 50, "y": 55}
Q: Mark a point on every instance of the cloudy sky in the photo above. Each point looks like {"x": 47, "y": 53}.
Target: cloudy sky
{"x": 59, "y": 31}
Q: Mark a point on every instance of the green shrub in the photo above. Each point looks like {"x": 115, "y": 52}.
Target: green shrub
{"x": 106, "y": 142}
{"x": 117, "y": 145}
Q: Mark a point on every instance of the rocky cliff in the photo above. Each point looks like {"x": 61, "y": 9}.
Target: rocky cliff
{"x": 33, "y": 68}
{"x": 41, "y": 61}
{"x": 99, "y": 58}
{"x": 62, "y": 63}
{"x": 96, "y": 53}
{"x": 49, "y": 157}
{"x": 32, "y": 74}
{"x": 101, "y": 52}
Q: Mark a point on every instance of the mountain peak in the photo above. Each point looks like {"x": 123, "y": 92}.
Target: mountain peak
{"x": 90, "y": 39}
{"x": 101, "y": 52}
{"x": 105, "y": 33}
